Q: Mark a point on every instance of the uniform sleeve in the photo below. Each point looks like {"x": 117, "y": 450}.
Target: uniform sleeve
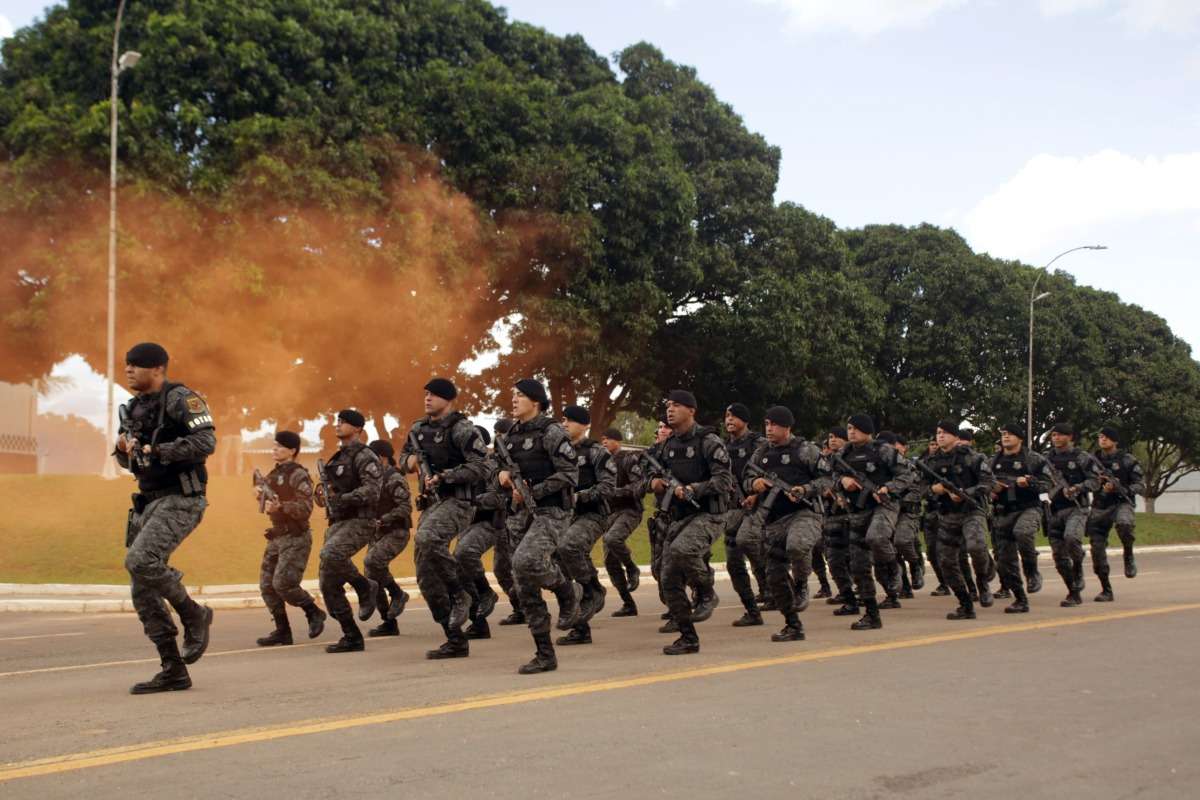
{"x": 1091, "y": 483}
{"x": 606, "y": 476}
{"x": 493, "y": 497}
{"x": 1136, "y": 477}
{"x": 396, "y": 487}
{"x": 635, "y": 489}
{"x": 720, "y": 481}
{"x": 562, "y": 454}
{"x": 370, "y": 477}
{"x": 407, "y": 450}
{"x": 189, "y": 409}
{"x": 819, "y": 466}
{"x": 985, "y": 480}
{"x": 467, "y": 439}
{"x": 1039, "y": 474}
{"x": 300, "y": 508}
{"x": 902, "y": 472}
{"x": 752, "y": 470}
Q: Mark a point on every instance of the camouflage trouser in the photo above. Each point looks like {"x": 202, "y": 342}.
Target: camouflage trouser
{"x": 575, "y": 547}
{"x": 478, "y": 538}
{"x": 743, "y": 537}
{"x": 157, "y": 532}
{"x": 871, "y": 549}
{"x": 689, "y": 542}
{"x": 503, "y": 568}
{"x": 929, "y": 524}
{"x": 957, "y": 532}
{"x": 282, "y": 570}
{"x": 836, "y": 532}
{"x": 380, "y": 554}
{"x": 1066, "y": 542}
{"x": 905, "y": 539}
{"x": 1015, "y": 537}
{"x": 790, "y": 543}
{"x": 535, "y": 565}
{"x": 657, "y": 526}
{"x": 1099, "y": 523}
{"x": 617, "y": 556}
{"x": 342, "y": 540}
{"x": 437, "y": 571}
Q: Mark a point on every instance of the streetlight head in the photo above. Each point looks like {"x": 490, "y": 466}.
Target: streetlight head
{"x": 129, "y": 60}
{"x": 1041, "y": 296}
{"x": 1098, "y": 247}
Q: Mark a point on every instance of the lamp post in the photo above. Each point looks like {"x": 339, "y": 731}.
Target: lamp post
{"x": 119, "y": 64}
{"x": 1033, "y": 298}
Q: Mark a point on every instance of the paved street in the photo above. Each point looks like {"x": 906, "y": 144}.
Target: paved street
{"x": 1098, "y": 701}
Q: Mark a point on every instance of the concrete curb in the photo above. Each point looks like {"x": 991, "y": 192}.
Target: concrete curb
{"x": 70, "y": 598}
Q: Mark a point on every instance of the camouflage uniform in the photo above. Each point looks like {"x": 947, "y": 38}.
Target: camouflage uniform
{"x": 626, "y": 516}
{"x": 696, "y": 458}
{"x": 906, "y": 536}
{"x": 353, "y": 476}
{"x": 1018, "y": 515}
{"x": 1110, "y": 508}
{"x": 596, "y": 483}
{"x": 792, "y": 527}
{"x": 457, "y": 455}
{"x": 547, "y": 461}
{"x": 1068, "y": 518}
{"x": 289, "y": 542}
{"x": 480, "y": 536}
{"x": 170, "y": 502}
{"x": 743, "y": 529}
{"x": 960, "y": 526}
{"x": 393, "y": 523}
{"x": 835, "y": 535}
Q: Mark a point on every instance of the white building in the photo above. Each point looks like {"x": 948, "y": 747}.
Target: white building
{"x": 18, "y": 445}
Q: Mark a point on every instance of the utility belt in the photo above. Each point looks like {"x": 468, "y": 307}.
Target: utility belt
{"x": 1017, "y": 508}
{"x": 624, "y": 504}
{"x": 910, "y": 507}
{"x": 456, "y": 491}
{"x": 599, "y": 506}
{"x": 709, "y": 504}
{"x": 140, "y": 501}
{"x": 564, "y": 499}
{"x": 353, "y": 512}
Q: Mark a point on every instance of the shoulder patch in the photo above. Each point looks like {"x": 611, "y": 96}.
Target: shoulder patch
{"x": 565, "y": 449}
{"x": 195, "y": 404}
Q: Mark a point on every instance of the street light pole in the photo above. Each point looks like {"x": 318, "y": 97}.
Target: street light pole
{"x": 119, "y": 65}
{"x": 1033, "y": 298}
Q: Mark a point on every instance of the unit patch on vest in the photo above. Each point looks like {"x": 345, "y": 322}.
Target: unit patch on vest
{"x": 786, "y": 459}
{"x": 691, "y": 452}
{"x": 341, "y": 469}
{"x": 568, "y": 451}
{"x": 195, "y": 404}
{"x": 527, "y": 444}
{"x": 719, "y": 455}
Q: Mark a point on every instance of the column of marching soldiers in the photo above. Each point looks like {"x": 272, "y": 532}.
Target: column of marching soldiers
{"x": 544, "y": 494}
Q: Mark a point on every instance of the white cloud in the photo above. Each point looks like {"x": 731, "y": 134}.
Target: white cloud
{"x": 1143, "y": 16}
{"x": 6, "y": 27}
{"x": 1053, "y": 195}
{"x": 861, "y": 17}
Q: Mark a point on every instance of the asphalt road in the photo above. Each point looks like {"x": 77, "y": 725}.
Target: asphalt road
{"x": 1097, "y": 701}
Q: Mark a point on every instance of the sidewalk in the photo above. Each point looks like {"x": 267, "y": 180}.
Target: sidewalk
{"x": 68, "y": 598}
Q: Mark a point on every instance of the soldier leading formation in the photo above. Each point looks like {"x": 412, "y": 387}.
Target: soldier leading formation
{"x": 544, "y": 494}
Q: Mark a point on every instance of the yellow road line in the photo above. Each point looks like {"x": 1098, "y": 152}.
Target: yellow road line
{"x": 38, "y": 636}
{"x": 209, "y": 654}
{"x": 138, "y": 752}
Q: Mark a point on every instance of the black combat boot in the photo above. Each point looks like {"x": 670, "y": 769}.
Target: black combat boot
{"x": 460, "y": 606}
{"x": 580, "y": 634}
{"x": 871, "y": 620}
{"x": 544, "y": 659}
{"x": 487, "y": 599}
{"x": 399, "y": 599}
{"x": 1003, "y": 593}
{"x": 1072, "y": 598}
{"x": 705, "y": 605}
{"x": 568, "y": 605}
{"x": 280, "y": 636}
{"x": 800, "y": 604}
{"x": 1021, "y": 604}
{"x": 316, "y": 619}
{"x": 665, "y": 615}
{"x": 596, "y": 593}
{"x": 966, "y": 607}
{"x": 1033, "y": 579}
{"x": 1079, "y": 582}
{"x": 1130, "y": 562}
{"x": 633, "y": 575}
{"x": 389, "y": 627}
{"x": 687, "y": 643}
{"x": 891, "y": 601}
{"x": 368, "y": 598}
{"x": 195, "y": 633}
{"x": 173, "y": 676}
{"x": 1106, "y": 592}
{"x": 517, "y": 617}
{"x": 751, "y": 618}
{"x": 918, "y": 574}
{"x": 906, "y": 592}
{"x": 455, "y": 646}
{"x": 670, "y": 626}
{"x": 351, "y": 641}
{"x": 793, "y": 630}
{"x": 627, "y": 609}
{"x": 478, "y": 629}
{"x": 985, "y": 594}
{"x": 849, "y": 607}
{"x": 838, "y": 599}
{"x": 825, "y": 592}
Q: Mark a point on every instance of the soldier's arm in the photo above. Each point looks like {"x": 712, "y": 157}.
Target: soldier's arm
{"x": 1091, "y": 481}
{"x": 985, "y": 480}
{"x": 396, "y": 486}
{"x": 752, "y": 470}
{"x": 562, "y": 454}
{"x": 819, "y": 466}
{"x": 1137, "y": 478}
{"x": 635, "y": 489}
{"x": 902, "y": 472}
{"x": 370, "y": 480}
{"x": 467, "y": 439}
{"x": 1039, "y": 474}
{"x": 493, "y": 497}
{"x": 300, "y": 508}
{"x": 606, "y": 477}
{"x": 188, "y": 408}
{"x": 406, "y": 451}
{"x": 720, "y": 482}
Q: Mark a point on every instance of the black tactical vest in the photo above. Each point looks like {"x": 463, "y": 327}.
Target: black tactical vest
{"x": 868, "y": 460}
{"x": 1120, "y": 465}
{"x": 956, "y": 467}
{"x": 438, "y": 445}
{"x": 740, "y": 451}
{"x": 526, "y": 445}
{"x": 387, "y": 502}
{"x": 150, "y": 424}
{"x": 625, "y": 460}
{"x": 584, "y": 454}
{"x": 1007, "y": 469}
{"x": 786, "y": 463}
{"x": 684, "y": 457}
{"x": 340, "y": 469}
{"x": 1066, "y": 464}
{"x": 280, "y": 482}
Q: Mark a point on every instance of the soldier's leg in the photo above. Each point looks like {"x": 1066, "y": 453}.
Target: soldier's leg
{"x": 905, "y": 540}
{"x": 837, "y": 539}
{"x": 1125, "y": 527}
{"x": 803, "y": 533}
{"x": 575, "y": 550}
{"x": 735, "y": 561}
{"x": 975, "y": 541}
{"x": 266, "y": 587}
{"x": 1025, "y": 532}
{"x": 161, "y": 528}
{"x": 752, "y": 544}
{"x": 618, "y": 559}
{"x": 289, "y": 572}
{"x": 1074, "y": 532}
{"x": 1061, "y": 553}
{"x": 779, "y": 579}
{"x": 468, "y": 553}
{"x": 820, "y": 568}
{"x": 437, "y": 571}
{"x": 930, "y": 523}
{"x": 684, "y": 565}
{"x": 536, "y": 568}
{"x": 1097, "y": 527}
{"x": 949, "y": 546}
{"x": 883, "y": 551}
{"x": 1008, "y": 561}
{"x": 342, "y": 540}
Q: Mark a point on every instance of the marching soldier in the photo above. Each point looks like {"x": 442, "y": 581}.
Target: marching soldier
{"x": 743, "y": 528}
{"x": 835, "y": 531}
{"x": 907, "y": 524}
{"x": 480, "y": 536}
{"x": 1074, "y": 480}
{"x": 1121, "y": 481}
{"x": 1021, "y": 478}
{"x": 393, "y": 523}
{"x": 502, "y": 562}
{"x": 625, "y": 518}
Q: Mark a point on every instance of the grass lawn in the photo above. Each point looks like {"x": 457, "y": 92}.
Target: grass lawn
{"x": 71, "y": 529}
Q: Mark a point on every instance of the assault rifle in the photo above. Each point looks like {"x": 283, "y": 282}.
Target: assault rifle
{"x": 1060, "y": 486}
{"x": 428, "y": 496}
{"x": 950, "y": 485}
{"x": 520, "y": 485}
{"x": 673, "y": 483}
{"x": 266, "y": 493}
{"x": 869, "y": 487}
{"x": 1107, "y": 476}
{"x": 323, "y": 485}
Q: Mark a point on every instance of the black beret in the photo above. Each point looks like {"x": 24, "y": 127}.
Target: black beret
{"x": 146, "y": 355}
{"x": 949, "y": 426}
{"x": 614, "y": 434}
{"x": 839, "y": 432}
{"x": 902, "y": 439}
{"x": 863, "y": 422}
{"x": 503, "y": 425}
{"x": 352, "y": 417}
{"x": 662, "y": 419}
{"x": 1111, "y": 433}
{"x": 578, "y": 414}
{"x": 740, "y": 411}
{"x": 966, "y": 434}
{"x": 682, "y": 397}
{"x": 1064, "y": 429}
{"x": 887, "y": 437}
{"x": 288, "y": 439}
{"x": 441, "y": 387}
{"x": 483, "y": 434}
{"x": 534, "y": 391}
{"x": 1014, "y": 429}
{"x": 781, "y": 415}
{"x": 383, "y": 448}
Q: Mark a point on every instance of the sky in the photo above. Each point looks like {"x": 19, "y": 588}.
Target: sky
{"x": 1030, "y": 126}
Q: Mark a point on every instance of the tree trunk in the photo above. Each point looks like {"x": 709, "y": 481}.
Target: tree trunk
{"x": 1149, "y": 503}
